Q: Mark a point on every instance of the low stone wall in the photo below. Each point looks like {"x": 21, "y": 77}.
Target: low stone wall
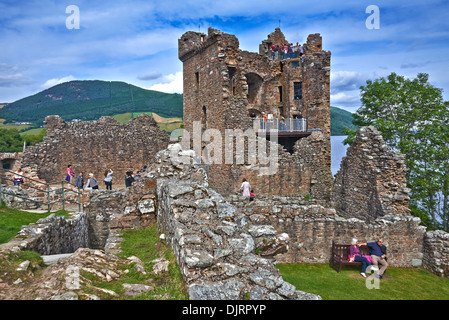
{"x": 109, "y": 212}
{"x": 215, "y": 246}
{"x": 436, "y": 252}
{"x": 312, "y": 227}
{"x": 16, "y": 198}
{"x": 51, "y": 235}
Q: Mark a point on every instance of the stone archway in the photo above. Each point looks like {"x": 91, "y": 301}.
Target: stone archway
{"x": 255, "y": 83}
{"x": 9, "y": 161}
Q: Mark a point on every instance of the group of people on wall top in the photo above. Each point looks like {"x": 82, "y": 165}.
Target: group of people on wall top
{"x": 378, "y": 256}
{"x": 295, "y": 125}
{"x": 287, "y": 51}
{"x": 92, "y": 182}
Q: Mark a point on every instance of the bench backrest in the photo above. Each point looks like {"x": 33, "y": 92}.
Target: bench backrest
{"x": 342, "y": 250}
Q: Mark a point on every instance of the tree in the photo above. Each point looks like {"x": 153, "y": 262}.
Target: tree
{"x": 412, "y": 117}
{"x": 10, "y": 140}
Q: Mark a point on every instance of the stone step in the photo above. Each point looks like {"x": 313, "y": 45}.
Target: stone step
{"x": 50, "y": 259}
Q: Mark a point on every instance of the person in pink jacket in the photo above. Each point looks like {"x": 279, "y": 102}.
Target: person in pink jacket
{"x": 70, "y": 173}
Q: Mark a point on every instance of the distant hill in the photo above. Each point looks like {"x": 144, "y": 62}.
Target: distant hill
{"x": 339, "y": 119}
{"x": 89, "y": 100}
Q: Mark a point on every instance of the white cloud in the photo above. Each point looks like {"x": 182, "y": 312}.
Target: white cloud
{"x": 348, "y": 80}
{"x": 349, "y": 101}
{"x": 174, "y": 84}
{"x": 52, "y": 82}
{"x": 342, "y": 97}
{"x": 11, "y": 80}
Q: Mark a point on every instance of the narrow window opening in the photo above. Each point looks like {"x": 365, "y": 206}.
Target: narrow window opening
{"x": 232, "y": 72}
{"x": 204, "y": 118}
{"x": 297, "y": 90}
{"x": 197, "y": 79}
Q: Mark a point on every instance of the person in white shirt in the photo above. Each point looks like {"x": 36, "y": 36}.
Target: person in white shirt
{"x": 246, "y": 188}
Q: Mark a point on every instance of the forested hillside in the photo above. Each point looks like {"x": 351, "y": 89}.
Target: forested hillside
{"x": 89, "y": 100}
{"x": 339, "y": 119}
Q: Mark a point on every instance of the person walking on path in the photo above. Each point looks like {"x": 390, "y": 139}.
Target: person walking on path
{"x": 80, "y": 181}
{"x": 70, "y": 173}
{"x": 108, "y": 179}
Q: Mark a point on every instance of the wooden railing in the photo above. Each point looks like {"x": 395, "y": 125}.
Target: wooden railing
{"x": 51, "y": 195}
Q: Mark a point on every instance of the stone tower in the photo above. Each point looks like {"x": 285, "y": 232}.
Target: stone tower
{"x": 223, "y": 85}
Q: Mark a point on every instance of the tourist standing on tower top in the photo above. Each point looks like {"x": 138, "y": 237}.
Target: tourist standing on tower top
{"x": 296, "y": 50}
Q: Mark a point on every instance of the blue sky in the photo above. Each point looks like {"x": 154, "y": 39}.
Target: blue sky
{"x": 136, "y": 41}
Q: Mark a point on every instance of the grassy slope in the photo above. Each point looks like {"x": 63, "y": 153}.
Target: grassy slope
{"x": 12, "y": 220}
{"x": 397, "y": 284}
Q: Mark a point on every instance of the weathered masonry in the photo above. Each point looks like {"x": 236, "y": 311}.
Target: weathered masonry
{"x": 94, "y": 146}
{"x": 224, "y": 85}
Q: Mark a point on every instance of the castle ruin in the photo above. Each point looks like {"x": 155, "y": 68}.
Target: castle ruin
{"x": 224, "y": 86}
{"x": 298, "y": 211}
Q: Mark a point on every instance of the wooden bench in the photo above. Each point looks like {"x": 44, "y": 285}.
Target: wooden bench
{"x": 340, "y": 253}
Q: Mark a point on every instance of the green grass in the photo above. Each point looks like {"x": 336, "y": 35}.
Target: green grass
{"x": 167, "y": 127}
{"x": 34, "y": 131}
{"x": 397, "y": 284}
{"x": 144, "y": 244}
{"x": 11, "y": 221}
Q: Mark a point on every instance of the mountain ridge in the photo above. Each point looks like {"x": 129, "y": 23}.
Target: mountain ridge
{"x": 89, "y": 100}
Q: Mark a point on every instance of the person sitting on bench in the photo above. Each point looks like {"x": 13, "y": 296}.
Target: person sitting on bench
{"x": 354, "y": 255}
{"x": 378, "y": 255}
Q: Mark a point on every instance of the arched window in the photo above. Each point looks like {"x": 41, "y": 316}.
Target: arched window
{"x": 254, "y": 82}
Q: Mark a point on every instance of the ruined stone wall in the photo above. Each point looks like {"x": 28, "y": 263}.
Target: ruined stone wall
{"x": 436, "y": 252}
{"x": 214, "y": 245}
{"x": 304, "y": 172}
{"x": 223, "y": 85}
{"x": 312, "y": 227}
{"x": 52, "y": 235}
{"x": 95, "y": 146}
{"x": 371, "y": 181}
